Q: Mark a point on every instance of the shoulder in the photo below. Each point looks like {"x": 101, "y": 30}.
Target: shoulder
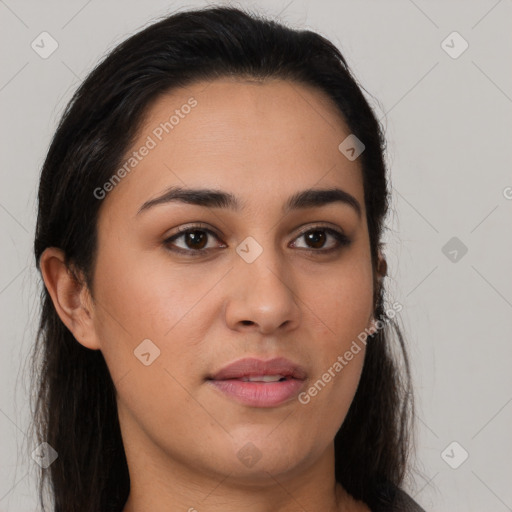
{"x": 390, "y": 498}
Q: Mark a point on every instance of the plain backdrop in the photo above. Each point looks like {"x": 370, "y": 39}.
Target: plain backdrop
{"x": 445, "y": 100}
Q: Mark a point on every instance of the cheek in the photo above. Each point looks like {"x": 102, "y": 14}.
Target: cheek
{"x": 148, "y": 325}
{"x": 341, "y": 310}
{"x": 147, "y": 296}
{"x": 342, "y": 302}
{"x": 143, "y": 297}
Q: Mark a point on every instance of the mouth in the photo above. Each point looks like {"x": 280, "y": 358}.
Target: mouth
{"x": 259, "y": 383}
{"x": 264, "y": 378}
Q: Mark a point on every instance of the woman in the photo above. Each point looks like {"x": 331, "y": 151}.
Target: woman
{"x": 213, "y": 332}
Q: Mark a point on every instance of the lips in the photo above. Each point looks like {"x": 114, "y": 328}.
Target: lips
{"x": 249, "y": 368}
{"x": 256, "y": 383}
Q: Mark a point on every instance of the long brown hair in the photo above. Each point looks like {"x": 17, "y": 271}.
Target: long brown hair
{"x": 74, "y": 408}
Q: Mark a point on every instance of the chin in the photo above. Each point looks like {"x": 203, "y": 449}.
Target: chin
{"x": 259, "y": 460}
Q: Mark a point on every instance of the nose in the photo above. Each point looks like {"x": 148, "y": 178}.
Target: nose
{"x": 261, "y": 296}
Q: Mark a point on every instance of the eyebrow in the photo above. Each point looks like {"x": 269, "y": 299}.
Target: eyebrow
{"x": 211, "y": 198}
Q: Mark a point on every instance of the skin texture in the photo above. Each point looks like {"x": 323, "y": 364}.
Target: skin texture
{"x": 263, "y": 142}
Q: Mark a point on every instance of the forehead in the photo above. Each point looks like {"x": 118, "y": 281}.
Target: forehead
{"x": 257, "y": 139}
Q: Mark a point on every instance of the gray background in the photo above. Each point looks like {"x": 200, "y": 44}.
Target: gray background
{"x": 448, "y": 122}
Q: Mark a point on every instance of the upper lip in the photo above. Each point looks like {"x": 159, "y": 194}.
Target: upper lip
{"x": 253, "y": 367}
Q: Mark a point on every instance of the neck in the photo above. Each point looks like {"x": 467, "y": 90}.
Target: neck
{"x": 160, "y": 485}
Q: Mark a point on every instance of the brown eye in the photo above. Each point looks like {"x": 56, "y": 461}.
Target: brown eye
{"x": 316, "y": 239}
{"x": 192, "y": 240}
{"x": 195, "y": 239}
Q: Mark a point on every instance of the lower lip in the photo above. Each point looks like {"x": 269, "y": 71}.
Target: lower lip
{"x": 259, "y": 394}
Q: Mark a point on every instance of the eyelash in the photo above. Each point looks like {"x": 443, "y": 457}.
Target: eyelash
{"x": 343, "y": 240}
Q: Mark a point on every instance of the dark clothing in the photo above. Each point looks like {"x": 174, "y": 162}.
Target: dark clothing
{"x": 389, "y": 498}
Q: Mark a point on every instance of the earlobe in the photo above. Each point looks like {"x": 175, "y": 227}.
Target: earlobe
{"x": 70, "y": 297}
{"x": 380, "y": 273}
{"x": 382, "y": 266}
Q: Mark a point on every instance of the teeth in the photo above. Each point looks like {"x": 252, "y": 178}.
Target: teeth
{"x": 263, "y": 378}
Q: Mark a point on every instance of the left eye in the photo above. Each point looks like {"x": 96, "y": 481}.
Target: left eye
{"x": 318, "y": 236}
{"x": 195, "y": 240}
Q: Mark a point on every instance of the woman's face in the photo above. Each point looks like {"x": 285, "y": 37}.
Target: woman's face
{"x": 273, "y": 281}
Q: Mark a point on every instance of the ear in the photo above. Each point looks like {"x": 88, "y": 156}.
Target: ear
{"x": 381, "y": 272}
{"x": 382, "y": 267}
{"x": 70, "y": 296}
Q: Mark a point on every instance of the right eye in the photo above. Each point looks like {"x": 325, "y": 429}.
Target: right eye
{"x": 194, "y": 238}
